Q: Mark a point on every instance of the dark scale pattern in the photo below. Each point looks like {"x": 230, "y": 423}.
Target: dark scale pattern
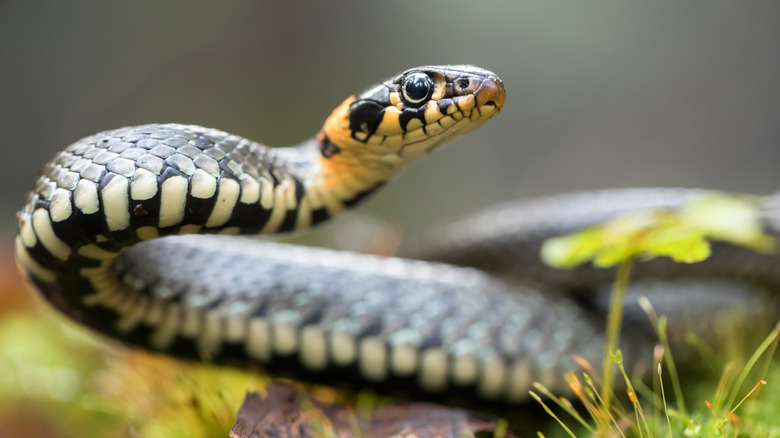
{"x": 251, "y": 159}
{"x": 363, "y": 296}
{"x": 165, "y": 151}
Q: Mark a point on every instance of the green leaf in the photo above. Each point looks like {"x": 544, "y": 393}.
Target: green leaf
{"x": 731, "y": 219}
{"x": 683, "y": 234}
{"x": 572, "y": 250}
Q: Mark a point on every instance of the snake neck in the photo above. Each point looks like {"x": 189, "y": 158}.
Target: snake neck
{"x": 331, "y": 178}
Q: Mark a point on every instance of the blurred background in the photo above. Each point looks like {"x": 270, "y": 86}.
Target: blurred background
{"x": 600, "y": 94}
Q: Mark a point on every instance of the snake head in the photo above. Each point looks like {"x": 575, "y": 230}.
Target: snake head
{"x": 405, "y": 117}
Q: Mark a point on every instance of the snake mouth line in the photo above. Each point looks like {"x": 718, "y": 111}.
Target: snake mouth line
{"x": 444, "y": 134}
{"x": 441, "y": 134}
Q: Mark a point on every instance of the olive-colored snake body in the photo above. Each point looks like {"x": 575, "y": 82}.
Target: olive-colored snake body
{"x": 480, "y": 331}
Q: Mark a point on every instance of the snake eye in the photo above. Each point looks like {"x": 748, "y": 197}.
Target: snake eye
{"x": 417, "y": 87}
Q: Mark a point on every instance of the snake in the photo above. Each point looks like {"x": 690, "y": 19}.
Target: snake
{"x": 148, "y": 235}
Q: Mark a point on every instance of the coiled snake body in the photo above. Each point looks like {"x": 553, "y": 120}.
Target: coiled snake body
{"x": 484, "y": 330}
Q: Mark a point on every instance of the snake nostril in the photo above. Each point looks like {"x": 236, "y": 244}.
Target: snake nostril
{"x": 463, "y": 83}
{"x": 490, "y": 102}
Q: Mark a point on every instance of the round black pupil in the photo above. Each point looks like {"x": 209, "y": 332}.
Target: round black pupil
{"x": 417, "y": 87}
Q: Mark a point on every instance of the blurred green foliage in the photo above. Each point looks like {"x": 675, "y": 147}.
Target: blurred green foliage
{"x": 682, "y": 234}
{"x": 71, "y": 382}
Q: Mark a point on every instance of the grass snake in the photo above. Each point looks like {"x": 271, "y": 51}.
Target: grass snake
{"x": 474, "y": 315}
